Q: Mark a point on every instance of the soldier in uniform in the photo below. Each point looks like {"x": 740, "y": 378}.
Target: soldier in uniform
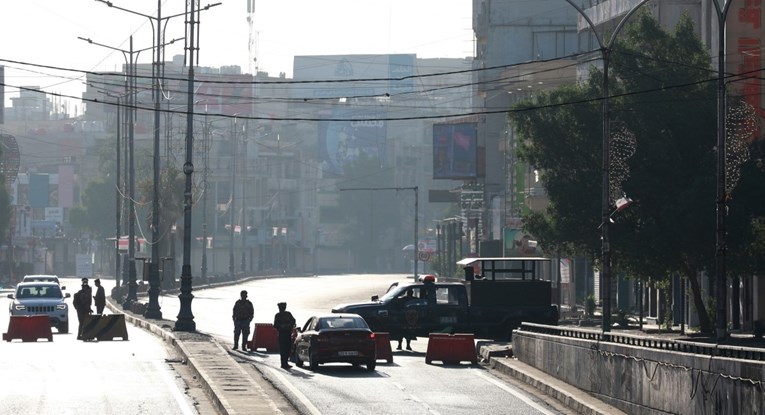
{"x": 284, "y": 324}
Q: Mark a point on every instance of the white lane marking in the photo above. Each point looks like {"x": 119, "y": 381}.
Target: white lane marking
{"x": 414, "y": 398}
{"x": 302, "y": 398}
{"x": 179, "y": 398}
{"x": 517, "y": 394}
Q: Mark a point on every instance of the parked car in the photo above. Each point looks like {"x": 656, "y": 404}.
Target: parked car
{"x": 41, "y": 298}
{"x": 344, "y": 338}
{"x": 42, "y": 278}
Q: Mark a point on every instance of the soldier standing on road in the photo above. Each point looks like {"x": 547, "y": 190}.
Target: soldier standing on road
{"x": 100, "y": 297}
{"x": 243, "y": 313}
{"x": 82, "y": 302}
{"x": 284, "y": 324}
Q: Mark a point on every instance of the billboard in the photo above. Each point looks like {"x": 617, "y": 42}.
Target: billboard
{"x": 455, "y": 151}
{"x": 349, "y": 132}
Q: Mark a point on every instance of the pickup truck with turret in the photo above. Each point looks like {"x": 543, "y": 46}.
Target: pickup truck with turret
{"x": 487, "y": 308}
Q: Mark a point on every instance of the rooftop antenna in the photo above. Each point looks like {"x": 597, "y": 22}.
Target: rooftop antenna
{"x": 253, "y": 39}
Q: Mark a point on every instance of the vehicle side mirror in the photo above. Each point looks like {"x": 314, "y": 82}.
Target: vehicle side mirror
{"x": 67, "y": 295}
{"x": 10, "y": 296}
{"x": 63, "y": 287}
{"x": 298, "y": 330}
{"x": 375, "y": 298}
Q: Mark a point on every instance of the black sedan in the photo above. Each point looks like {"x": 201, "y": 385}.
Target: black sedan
{"x": 344, "y": 338}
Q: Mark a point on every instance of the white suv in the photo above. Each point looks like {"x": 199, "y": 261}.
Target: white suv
{"x": 36, "y": 298}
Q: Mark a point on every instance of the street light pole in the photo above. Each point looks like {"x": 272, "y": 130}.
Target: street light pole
{"x": 605, "y": 50}
{"x": 206, "y": 156}
{"x": 231, "y": 270}
{"x": 132, "y": 295}
{"x": 243, "y": 226}
{"x": 153, "y": 308}
{"x": 185, "y": 320}
{"x": 721, "y": 295}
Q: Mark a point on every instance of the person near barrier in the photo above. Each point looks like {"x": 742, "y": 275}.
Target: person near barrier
{"x": 243, "y": 313}
{"x": 82, "y": 302}
{"x": 284, "y": 323}
{"x": 100, "y": 297}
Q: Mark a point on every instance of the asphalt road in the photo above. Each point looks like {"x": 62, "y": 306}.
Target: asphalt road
{"x": 407, "y": 386}
{"x": 67, "y": 376}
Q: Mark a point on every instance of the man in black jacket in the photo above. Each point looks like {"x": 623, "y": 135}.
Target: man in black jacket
{"x": 100, "y": 297}
{"x": 82, "y": 302}
{"x": 243, "y": 313}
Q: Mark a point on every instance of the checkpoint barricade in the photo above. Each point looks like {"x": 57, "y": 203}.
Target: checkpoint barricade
{"x": 383, "y": 346}
{"x": 104, "y": 327}
{"x": 28, "y": 328}
{"x": 264, "y": 336}
{"x": 451, "y": 348}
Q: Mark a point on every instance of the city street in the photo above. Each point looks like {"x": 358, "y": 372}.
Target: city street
{"x": 407, "y": 386}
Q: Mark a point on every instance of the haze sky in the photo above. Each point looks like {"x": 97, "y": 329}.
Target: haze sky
{"x": 45, "y": 32}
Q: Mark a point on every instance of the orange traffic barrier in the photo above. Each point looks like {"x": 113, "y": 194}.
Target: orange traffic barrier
{"x": 28, "y": 328}
{"x": 383, "y": 347}
{"x": 266, "y": 337}
{"x": 104, "y": 327}
{"x": 451, "y": 348}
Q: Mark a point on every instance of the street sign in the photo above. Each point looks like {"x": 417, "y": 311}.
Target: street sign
{"x": 423, "y": 256}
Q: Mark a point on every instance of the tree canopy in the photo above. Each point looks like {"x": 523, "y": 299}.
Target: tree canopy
{"x": 663, "y": 156}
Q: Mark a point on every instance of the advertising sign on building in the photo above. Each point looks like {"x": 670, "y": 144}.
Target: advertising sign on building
{"x": 349, "y": 133}
{"x": 455, "y": 151}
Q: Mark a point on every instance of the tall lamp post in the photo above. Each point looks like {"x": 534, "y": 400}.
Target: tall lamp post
{"x": 721, "y": 196}
{"x": 243, "y": 227}
{"x": 231, "y": 269}
{"x": 605, "y": 50}
{"x": 153, "y": 308}
{"x": 185, "y": 320}
{"x": 130, "y": 87}
{"x": 206, "y": 157}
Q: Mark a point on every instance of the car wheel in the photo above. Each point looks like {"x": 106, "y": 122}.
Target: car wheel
{"x": 312, "y": 363}
{"x": 63, "y": 328}
{"x": 371, "y": 365}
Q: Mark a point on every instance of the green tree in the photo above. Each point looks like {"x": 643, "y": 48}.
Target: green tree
{"x": 171, "y": 187}
{"x": 96, "y": 214}
{"x": 5, "y": 209}
{"x": 663, "y": 99}
{"x": 5, "y": 205}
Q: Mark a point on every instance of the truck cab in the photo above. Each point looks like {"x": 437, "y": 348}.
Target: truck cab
{"x": 420, "y": 308}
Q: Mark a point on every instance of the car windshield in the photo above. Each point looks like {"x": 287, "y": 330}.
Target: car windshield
{"x": 342, "y": 323}
{"x": 395, "y": 292}
{"x": 47, "y": 291}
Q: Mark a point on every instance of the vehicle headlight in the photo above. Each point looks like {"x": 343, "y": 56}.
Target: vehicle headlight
{"x": 61, "y": 307}
{"x": 19, "y": 307}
